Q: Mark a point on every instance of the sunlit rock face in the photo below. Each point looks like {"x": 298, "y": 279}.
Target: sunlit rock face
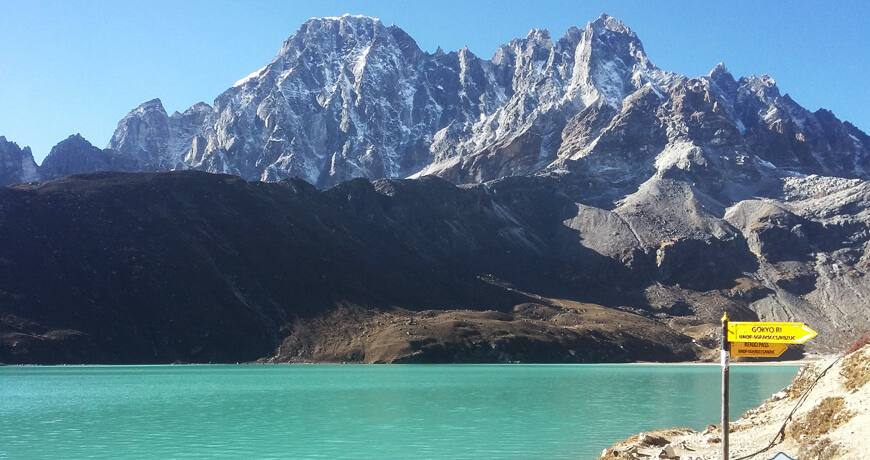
{"x": 349, "y": 97}
{"x": 157, "y": 141}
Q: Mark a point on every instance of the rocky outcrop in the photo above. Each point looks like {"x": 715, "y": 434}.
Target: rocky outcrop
{"x": 811, "y": 244}
{"x": 16, "y": 164}
{"x": 157, "y": 141}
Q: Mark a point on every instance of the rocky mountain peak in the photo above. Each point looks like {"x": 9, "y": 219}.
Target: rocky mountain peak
{"x": 538, "y": 35}
{"x": 155, "y": 140}
{"x": 75, "y": 155}
{"x": 333, "y": 33}
{"x": 406, "y": 43}
{"x": 609, "y": 24}
{"x": 722, "y": 78}
{"x": 151, "y": 109}
{"x": 153, "y": 104}
{"x": 143, "y": 134}
{"x": 719, "y": 69}
{"x": 610, "y": 63}
{"x": 346, "y": 24}
{"x": 195, "y": 109}
{"x": 73, "y": 140}
{"x": 16, "y": 163}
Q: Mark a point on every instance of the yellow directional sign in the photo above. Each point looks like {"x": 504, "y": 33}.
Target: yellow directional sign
{"x": 758, "y": 349}
{"x": 769, "y": 332}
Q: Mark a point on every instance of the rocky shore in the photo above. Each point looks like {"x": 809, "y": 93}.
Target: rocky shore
{"x": 823, "y": 414}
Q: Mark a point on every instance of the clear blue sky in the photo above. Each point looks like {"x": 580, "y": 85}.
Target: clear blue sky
{"x": 79, "y": 66}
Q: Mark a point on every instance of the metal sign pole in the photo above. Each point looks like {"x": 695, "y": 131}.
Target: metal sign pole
{"x": 725, "y": 371}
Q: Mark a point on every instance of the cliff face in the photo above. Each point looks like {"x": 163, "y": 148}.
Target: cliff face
{"x": 16, "y": 164}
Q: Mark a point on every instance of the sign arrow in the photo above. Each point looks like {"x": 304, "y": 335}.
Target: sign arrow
{"x": 769, "y": 332}
{"x": 758, "y": 349}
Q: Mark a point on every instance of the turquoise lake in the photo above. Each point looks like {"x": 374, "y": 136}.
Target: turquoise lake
{"x": 358, "y": 411}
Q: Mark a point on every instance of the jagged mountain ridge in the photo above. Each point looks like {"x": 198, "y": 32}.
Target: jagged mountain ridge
{"x": 349, "y": 97}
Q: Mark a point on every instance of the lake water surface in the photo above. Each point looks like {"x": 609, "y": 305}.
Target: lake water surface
{"x": 358, "y": 411}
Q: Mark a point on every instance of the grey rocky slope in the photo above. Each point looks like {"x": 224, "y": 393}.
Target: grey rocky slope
{"x": 154, "y": 138}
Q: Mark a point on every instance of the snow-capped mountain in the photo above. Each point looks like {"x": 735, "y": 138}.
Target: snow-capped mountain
{"x": 350, "y": 97}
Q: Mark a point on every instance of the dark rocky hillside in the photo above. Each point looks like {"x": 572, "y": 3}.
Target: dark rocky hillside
{"x": 160, "y": 267}
{"x": 191, "y": 266}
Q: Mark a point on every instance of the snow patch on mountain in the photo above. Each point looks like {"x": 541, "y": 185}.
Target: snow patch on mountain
{"x": 251, "y": 76}
{"x": 348, "y": 96}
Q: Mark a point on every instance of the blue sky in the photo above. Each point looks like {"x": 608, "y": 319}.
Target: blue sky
{"x": 79, "y": 66}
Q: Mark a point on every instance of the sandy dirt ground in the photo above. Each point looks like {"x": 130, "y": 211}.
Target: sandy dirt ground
{"x": 823, "y": 414}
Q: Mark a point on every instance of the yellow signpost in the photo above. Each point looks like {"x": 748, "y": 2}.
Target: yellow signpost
{"x": 757, "y": 349}
{"x": 756, "y": 339}
{"x": 769, "y": 332}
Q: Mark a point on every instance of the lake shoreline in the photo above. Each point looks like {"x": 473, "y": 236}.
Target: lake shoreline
{"x": 823, "y": 413}
{"x": 800, "y": 362}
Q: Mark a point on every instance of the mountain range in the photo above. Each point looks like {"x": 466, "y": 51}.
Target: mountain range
{"x": 557, "y": 183}
{"x": 349, "y": 97}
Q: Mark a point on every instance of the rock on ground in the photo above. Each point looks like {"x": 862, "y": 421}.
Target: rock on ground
{"x": 831, "y": 421}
